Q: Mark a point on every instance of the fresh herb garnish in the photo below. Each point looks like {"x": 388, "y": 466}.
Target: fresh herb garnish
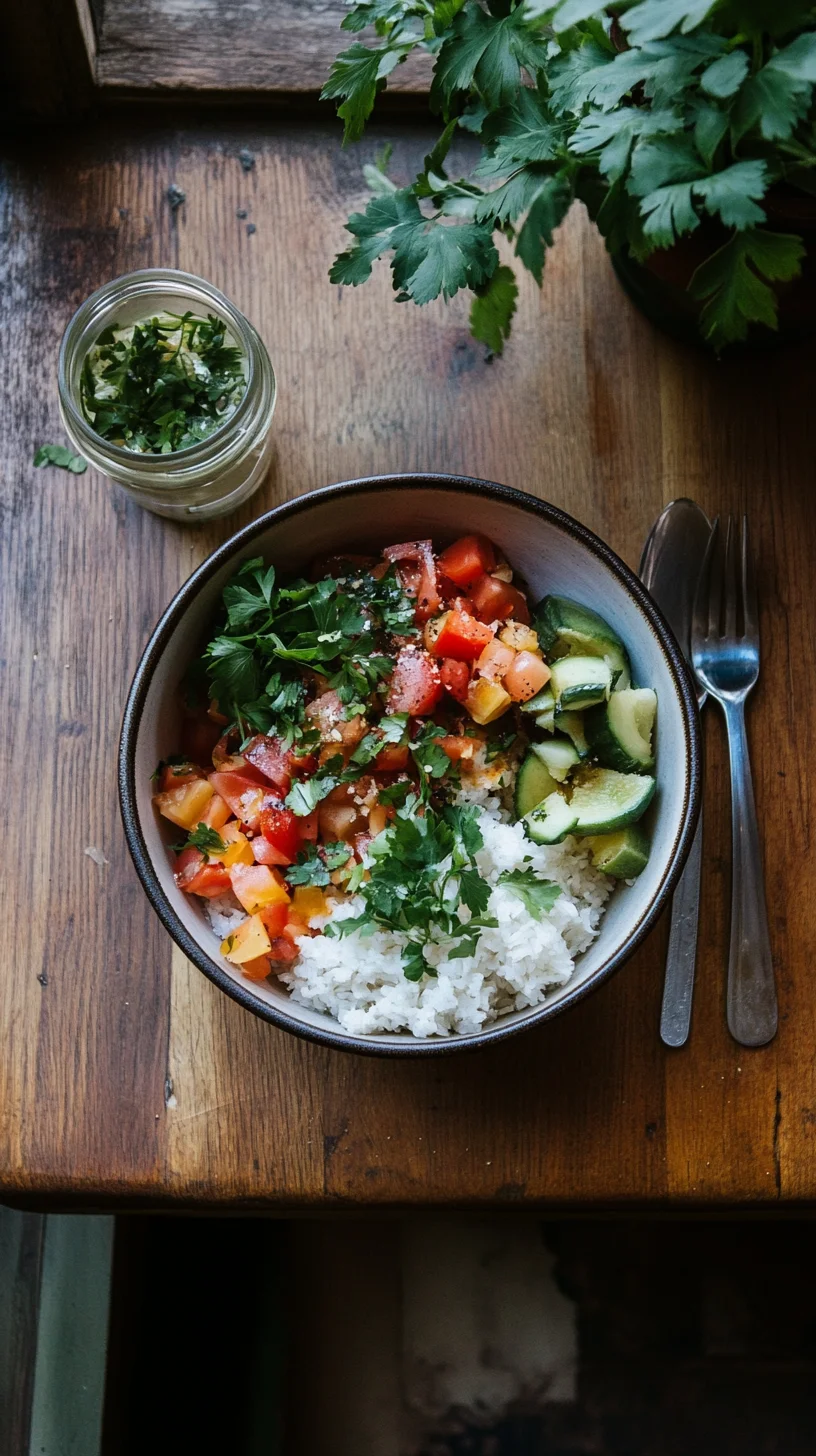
{"x": 499, "y": 744}
{"x": 315, "y": 864}
{"x": 421, "y": 869}
{"x": 163, "y": 385}
{"x": 340, "y": 627}
{"x": 208, "y": 840}
{"x": 175, "y": 760}
{"x": 63, "y": 457}
{"x": 537, "y": 895}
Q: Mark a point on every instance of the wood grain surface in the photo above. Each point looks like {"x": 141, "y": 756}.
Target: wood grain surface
{"x": 248, "y": 46}
{"x": 124, "y": 1075}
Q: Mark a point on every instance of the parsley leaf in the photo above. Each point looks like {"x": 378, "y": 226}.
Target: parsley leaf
{"x": 492, "y": 309}
{"x": 356, "y": 76}
{"x": 733, "y": 283}
{"x": 63, "y": 457}
{"x": 208, "y": 840}
{"x": 538, "y": 896}
{"x": 315, "y": 865}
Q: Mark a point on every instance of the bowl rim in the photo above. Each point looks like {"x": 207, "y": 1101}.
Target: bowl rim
{"x": 166, "y": 626}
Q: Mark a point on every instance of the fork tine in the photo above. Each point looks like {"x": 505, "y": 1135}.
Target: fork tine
{"x": 702, "y": 596}
{"x": 731, "y": 579}
{"x": 749, "y": 596}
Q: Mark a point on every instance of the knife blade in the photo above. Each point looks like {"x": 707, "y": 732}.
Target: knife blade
{"x": 669, "y": 569}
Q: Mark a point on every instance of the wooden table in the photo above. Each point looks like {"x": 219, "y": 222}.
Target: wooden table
{"x": 125, "y": 1077}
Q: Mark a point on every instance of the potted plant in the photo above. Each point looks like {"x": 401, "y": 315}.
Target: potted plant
{"x": 686, "y": 128}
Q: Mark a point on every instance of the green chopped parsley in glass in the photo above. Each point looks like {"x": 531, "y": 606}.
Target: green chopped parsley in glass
{"x": 162, "y": 384}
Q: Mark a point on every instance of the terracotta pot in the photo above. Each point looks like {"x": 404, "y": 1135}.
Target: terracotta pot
{"x": 659, "y": 286}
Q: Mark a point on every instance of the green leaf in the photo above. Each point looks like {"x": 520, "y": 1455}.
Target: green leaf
{"x": 523, "y": 132}
{"x": 725, "y": 75}
{"x": 492, "y": 309}
{"x": 779, "y": 95}
{"x": 234, "y": 671}
{"x": 546, "y": 213}
{"x": 358, "y": 74}
{"x": 656, "y": 162}
{"x": 63, "y": 457}
{"x": 611, "y": 134}
{"x": 208, "y": 840}
{"x": 538, "y": 896}
{"x": 710, "y": 127}
{"x": 668, "y": 212}
{"x": 731, "y": 194}
{"x": 385, "y": 220}
{"x": 440, "y": 258}
{"x": 573, "y": 12}
{"x": 487, "y": 52}
{"x": 733, "y": 283}
{"x": 653, "y": 19}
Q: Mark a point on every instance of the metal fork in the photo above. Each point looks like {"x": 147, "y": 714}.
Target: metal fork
{"x": 726, "y": 662}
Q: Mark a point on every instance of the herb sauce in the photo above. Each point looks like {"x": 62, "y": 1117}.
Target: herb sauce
{"x": 163, "y": 383}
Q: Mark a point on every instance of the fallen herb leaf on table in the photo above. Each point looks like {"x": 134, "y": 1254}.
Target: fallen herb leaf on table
{"x": 61, "y": 456}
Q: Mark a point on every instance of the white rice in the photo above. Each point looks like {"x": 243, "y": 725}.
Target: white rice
{"x": 359, "y": 980}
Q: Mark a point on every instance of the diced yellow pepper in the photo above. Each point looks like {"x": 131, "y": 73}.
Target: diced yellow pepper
{"x": 248, "y": 942}
{"x": 308, "y": 900}
{"x": 256, "y": 886}
{"x": 486, "y": 701}
{"x": 238, "y": 850}
{"x": 186, "y": 804}
{"x": 519, "y": 637}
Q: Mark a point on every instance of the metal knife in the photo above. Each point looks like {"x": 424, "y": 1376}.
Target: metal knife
{"x": 669, "y": 569}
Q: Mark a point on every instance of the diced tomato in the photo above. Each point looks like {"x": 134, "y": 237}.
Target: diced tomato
{"x": 216, "y": 813}
{"x": 526, "y": 677}
{"x": 274, "y": 918}
{"x": 186, "y": 804}
{"x": 264, "y": 852}
{"x": 187, "y": 865}
{"x": 427, "y": 588}
{"x": 462, "y": 637}
{"x": 392, "y": 759}
{"x": 329, "y": 715}
{"x": 256, "y": 886}
{"x": 339, "y": 821}
{"x": 284, "y": 950}
{"x": 243, "y": 793}
{"x": 247, "y": 943}
{"x": 458, "y": 747}
{"x": 280, "y": 827}
{"x": 455, "y": 676}
{"x": 211, "y": 881}
{"x": 493, "y": 599}
{"x": 173, "y": 775}
{"x": 308, "y": 826}
{"x": 275, "y": 761}
{"x": 495, "y": 661}
{"x": 415, "y": 685}
{"x": 467, "y": 559}
{"x": 257, "y": 970}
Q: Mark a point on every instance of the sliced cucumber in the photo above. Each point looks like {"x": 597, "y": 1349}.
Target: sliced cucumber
{"x": 620, "y": 731}
{"x": 580, "y": 682}
{"x": 551, "y": 821}
{"x": 607, "y": 800}
{"x": 533, "y": 783}
{"x": 559, "y": 756}
{"x": 573, "y": 725}
{"x": 541, "y": 703}
{"x": 566, "y": 629}
{"x": 623, "y": 854}
{"x": 546, "y": 721}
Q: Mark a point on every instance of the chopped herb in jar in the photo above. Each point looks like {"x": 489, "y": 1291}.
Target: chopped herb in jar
{"x": 162, "y": 384}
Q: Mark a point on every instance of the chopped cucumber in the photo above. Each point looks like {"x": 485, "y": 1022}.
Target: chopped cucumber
{"x": 533, "y": 783}
{"x": 566, "y": 629}
{"x": 607, "y": 800}
{"x": 546, "y": 721}
{"x": 541, "y": 703}
{"x": 551, "y": 821}
{"x": 623, "y": 854}
{"x": 620, "y": 731}
{"x": 573, "y": 725}
{"x": 559, "y": 756}
{"x": 580, "y": 682}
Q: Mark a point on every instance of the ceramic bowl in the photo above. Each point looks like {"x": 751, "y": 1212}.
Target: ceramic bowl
{"x": 553, "y": 553}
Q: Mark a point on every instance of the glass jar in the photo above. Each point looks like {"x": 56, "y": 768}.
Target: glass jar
{"x": 204, "y": 480}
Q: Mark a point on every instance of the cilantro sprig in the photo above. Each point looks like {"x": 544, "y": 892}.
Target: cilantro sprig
{"x": 316, "y": 864}
{"x": 660, "y": 115}
{"x": 421, "y": 869}
{"x": 208, "y": 840}
{"x": 163, "y": 385}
